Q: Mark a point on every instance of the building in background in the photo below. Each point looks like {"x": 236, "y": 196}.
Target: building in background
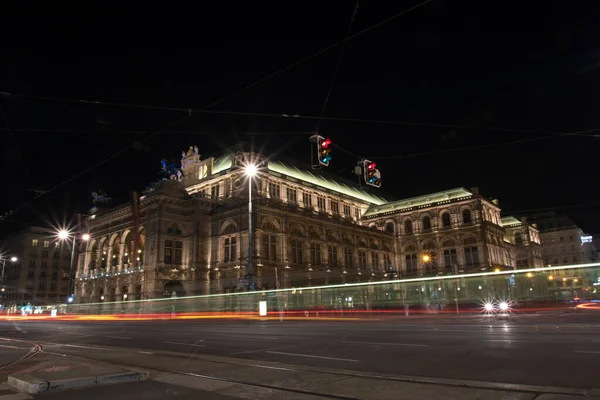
{"x": 564, "y": 243}
{"x": 524, "y": 239}
{"x": 41, "y": 274}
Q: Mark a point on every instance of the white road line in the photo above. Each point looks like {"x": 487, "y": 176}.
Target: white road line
{"x": 385, "y": 344}
{"x": 309, "y": 356}
{"x": 587, "y": 352}
{"x": 80, "y": 347}
{"x": 118, "y": 337}
{"x": 77, "y": 334}
{"x": 144, "y": 352}
{"x": 187, "y": 344}
{"x": 11, "y": 347}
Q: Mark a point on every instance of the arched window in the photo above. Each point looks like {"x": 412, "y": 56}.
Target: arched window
{"x": 518, "y": 238}
{"x": 467, "y": 216}
{"x": 408, "y": 229}
{"x": 446, "y": 219}
{"x": 426, "y": 223}
{"x": 389, "y": 227}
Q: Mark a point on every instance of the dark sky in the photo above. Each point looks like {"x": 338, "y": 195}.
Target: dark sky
{"x": 520, "y": 65}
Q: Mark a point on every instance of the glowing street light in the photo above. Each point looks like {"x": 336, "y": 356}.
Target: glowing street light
{"x": 86, "y": 237}
{"x": 14, "y": 259}
{"x": 426, "y": 258}
{"x": 63, "y": 234}
{"x": 250, "y": 170}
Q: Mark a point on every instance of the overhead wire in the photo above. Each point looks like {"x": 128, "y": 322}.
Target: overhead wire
{"x": 337, "y": 67}
{"x": 12, "y": 137}
{"x": 224, "y": 98}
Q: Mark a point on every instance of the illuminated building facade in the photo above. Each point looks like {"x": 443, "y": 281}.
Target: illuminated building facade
{"x": 189, "y": 234}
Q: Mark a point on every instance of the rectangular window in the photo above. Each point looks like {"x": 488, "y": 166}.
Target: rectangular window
{"x": 45, "y": 254}
{"x": 54, "y": 276}
{"x": 307, "y": 199}
{"x": 411, "y": 264}
{"x": 52, "y": 286}
{"x": 274, "y": 190}
{"x": 214, "y": 191}
{"x": 357, "y": 213}
{"x": 348, "y": 258}
{"x": 31, "y": 263}
{"x": 168, "y": 252}
{"x": 315, "y": 254}
{"x": 362, "y": 259}
{"x": 374, "y": 259}
{"x": 55, "y": 264}
{"x": 332, "y": 256}
{"x": 43, "y": 274}
{"x": 178, "y": 252}
{"x": 292, "y": 195}
{"x": 42, "y": 286}
{"x": 335, "y": 207}
{"x": 44, "y": 264}
{"x": 321, "y": 203}
{"x": 46, "y": 243}
{"x": 450, "y": 259}
{"x": 230, "y": 250}
{"x": 389, "y": 267}
{"x": 30, "y": 274}
{"x": 562, "y": 238}
{"x": 346, "y": 210}
{"x": 296, "y": 251}
{"x": 471, "y": 256}
{"x": 270, "y": 247}
{"x": 56, "y": 245}
{"x": 34, "y": 243}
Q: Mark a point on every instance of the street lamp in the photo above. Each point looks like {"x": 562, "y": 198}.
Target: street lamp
{"x": 13, "y": 259}
{"x": 64, "y": 234}
{"x": 250, "y": 171}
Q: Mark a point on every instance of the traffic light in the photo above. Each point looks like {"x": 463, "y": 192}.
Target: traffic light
{"x": 323, "y": 150}
{"x": 371, "y": 173}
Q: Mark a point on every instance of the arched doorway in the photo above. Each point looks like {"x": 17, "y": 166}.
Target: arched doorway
{"x": 174, "y": 286}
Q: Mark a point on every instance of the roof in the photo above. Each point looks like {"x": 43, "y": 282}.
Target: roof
{"x": 327, "y": 183}
{"x": 420, "y": 201}
{"x": 511, "y": 221}
{"x": 222, "y": 163}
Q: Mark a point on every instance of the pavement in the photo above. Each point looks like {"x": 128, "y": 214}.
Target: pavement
{"x": 519, "y": 357}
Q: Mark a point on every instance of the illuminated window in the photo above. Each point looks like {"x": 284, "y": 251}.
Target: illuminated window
{"x": 46, "y": 243}
{"x": 357, "y": 213}
{"x": 178, "y": 252}
{"x": 274, "y": 190}
{"x": 214, "y": 191}
{"x": 34, "y": 242}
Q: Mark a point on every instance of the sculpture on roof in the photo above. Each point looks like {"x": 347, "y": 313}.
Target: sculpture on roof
{"x": 100, "y": 197}
{"x": 170, "y": 171}
{"x": 195, "y": 150}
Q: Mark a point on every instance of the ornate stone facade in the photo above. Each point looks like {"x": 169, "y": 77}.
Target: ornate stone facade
{"x": 189, "y": 234}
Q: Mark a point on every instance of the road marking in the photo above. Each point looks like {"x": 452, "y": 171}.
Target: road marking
{"x": 145, "y": 352}
{"x": 11, "y": 347}
{"x": 77, "y": 334}
{"x": 187, "y": 344}
{"x": 80, "y": 347}
{"x": 587, "y": 352}
{"x": 118, "y": 337}
{"x": 309, "y": 356}
{"x": 385, "y": 344}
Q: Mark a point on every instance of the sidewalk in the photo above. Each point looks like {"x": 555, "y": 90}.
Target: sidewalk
{"x": 183, "y": 376}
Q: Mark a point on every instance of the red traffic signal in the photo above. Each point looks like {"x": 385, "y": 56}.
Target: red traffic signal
{"x": 325, "y": 143}
{"x": 371, "y": 166}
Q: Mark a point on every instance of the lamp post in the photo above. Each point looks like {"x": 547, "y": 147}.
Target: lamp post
{"x": 250, "y": 170}
{"x": 12, "y": 259}
{"x": 64, "y": 234}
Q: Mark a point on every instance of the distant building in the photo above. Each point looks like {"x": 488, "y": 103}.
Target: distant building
{"x": 525, "y": 241}
{"x": 564, "y": 243}
{"x": 41, "y": 274}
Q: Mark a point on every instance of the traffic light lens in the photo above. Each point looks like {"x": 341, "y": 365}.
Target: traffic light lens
{"x": 371, "y": 166}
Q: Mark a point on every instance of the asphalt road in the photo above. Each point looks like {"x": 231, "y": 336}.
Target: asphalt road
{"x": 551, "y": 350}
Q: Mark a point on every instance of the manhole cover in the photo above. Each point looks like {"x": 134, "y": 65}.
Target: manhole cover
{"x": 58, "y": 368}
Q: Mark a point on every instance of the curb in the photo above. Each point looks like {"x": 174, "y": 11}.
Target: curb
{"x": 26, "y": 383}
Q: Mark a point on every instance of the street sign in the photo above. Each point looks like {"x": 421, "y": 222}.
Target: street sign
{"x": 242, "y": 281}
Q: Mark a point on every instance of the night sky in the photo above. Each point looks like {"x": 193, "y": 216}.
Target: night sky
{"x": 454, "y": 81}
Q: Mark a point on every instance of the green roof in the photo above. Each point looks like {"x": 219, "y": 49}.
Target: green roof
{"x": 420, "y": 201}
{"x": 222, "y": 163}
{"x": 510, "y": 221}
{"x": 320, "y": 180}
